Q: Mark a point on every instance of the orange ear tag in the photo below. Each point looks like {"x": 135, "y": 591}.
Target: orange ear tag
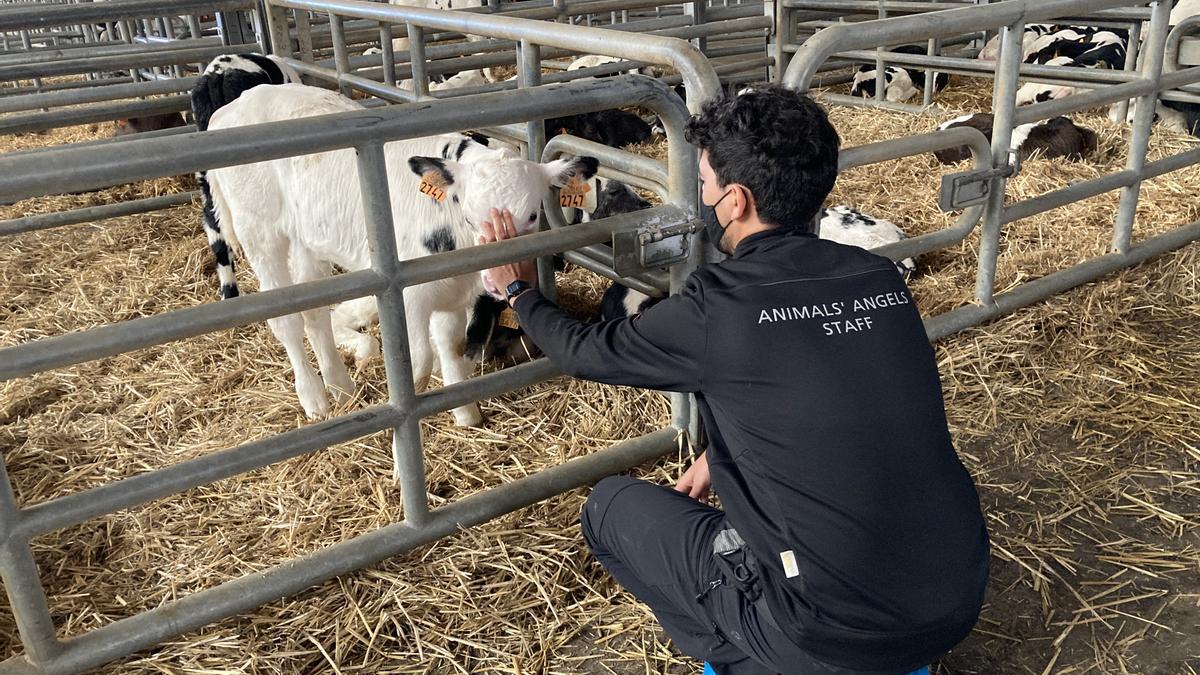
{"x": 508, "y": 319}
{"x": 578, "y": 194}
{"x": 433, "y": 185}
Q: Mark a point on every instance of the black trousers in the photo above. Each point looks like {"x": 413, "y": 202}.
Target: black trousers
{"x": 657, "y": 543}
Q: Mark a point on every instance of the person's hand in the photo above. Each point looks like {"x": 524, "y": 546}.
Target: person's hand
{"x": 696, "y": 481}
{"x": 498, "y": 228}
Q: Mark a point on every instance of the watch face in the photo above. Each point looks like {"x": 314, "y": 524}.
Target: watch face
{"x": 516, "y": 287}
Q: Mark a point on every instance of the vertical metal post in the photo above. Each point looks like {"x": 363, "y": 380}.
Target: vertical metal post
{"x": 19, "y": 572}
{"x": 1131, "y": 57}
{"x": 409, "y": 466}
{"x": 416, "y": 60}
{"x": 1004, "y": 104}
{"x": 389, "y": 53}
{"x": 880, "y": 73}
{"x": 277, "y": 31}
{"x": 28, "y": 45}
{"x": 304, "y": 41}
{"x": 194, "y": 26}
{"x": 530, "y": 75}
{"x": 1143, "y": 117}
{"x": 341, "y": 59}
{"x": 696, "y": 10}
{"x": 933, "y": 47}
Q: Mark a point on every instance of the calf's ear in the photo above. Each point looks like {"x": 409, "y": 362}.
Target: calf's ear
{"x": 561, "y": 171}
{"x": 433, "y": 169}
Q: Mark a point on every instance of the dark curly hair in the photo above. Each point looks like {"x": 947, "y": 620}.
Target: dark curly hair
{"x": 776, "y": 142}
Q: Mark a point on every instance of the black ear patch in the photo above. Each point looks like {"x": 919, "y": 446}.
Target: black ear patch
{"x": 582, "y": 167}
{"x": 424, "y": 165}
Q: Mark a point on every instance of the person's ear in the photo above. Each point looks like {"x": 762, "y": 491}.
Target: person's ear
{"x": 741, "y": 202}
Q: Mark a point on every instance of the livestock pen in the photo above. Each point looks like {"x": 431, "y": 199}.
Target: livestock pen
{"x": 1077, "y": 416}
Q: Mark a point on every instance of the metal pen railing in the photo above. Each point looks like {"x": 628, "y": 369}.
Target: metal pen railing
{"x": 1155, "y": 74}
{"x": 26, "y": 175}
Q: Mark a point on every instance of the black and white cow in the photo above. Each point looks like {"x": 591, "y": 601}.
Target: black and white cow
{"x": 225, "y": 79}
{"x": 847, "y": 225}
{"x": 614, "y": 128}
{"x": 294, "y": 217}
{"x": 1103, "y": 49}
{"x": 1055, "y": 137}
{"x": 229, "y": 75}
{"x": 900, "y": 84}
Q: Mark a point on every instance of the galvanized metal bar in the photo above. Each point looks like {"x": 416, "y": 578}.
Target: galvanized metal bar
{"x": 686, "y": 58}
{"x": 1004, "y": 98}
{"x": 63, "y": 117}
{"x": 483, "y": 387}
{"x": 42, "y": 15}
{"x": 416, "y": 59}
{"x": 22, "y": 583}
{"x": 948, "y": 23}
{"x": 87, "y": 168}
{"x": 304, "y": 42}
{"x": 245, "y": 593}
{"x": 1143, "y": 117}
{"x": 529, "y": 74}
{"x": 1133, "y": 45}
{"x": 340, "y": 56}
{"x": 389, "y": 53}
{"x": 409, "y": 466}
{"x": 120, "y": 62}
{"x": 1067, "y": 195}
{"x": 66, "y": 350}
{"x": 93, "y": 214}
{"x": 1052, "y": 284}
{"x": 590, "y": 263}
{"x": 143, "y": 488}
{"x": 278, "y": 33}
{"x": 428, "y": 268}
{"x": 87, "y": 51}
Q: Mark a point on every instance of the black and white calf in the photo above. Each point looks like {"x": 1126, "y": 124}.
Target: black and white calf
{"x": 1033, "y": 31}
{"x": 225, "y": 79}
{"x": 229, "y": 75}
{"x": 847, "y": 225}
{"x": 1103, "y": 49}
{"x": 1055, "y": 137}
{"x": 901, "y": 84}
{"x": 614, "y": 128}
{"x": 296, "y": 217}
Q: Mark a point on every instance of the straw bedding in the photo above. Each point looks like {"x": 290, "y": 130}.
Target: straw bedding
{"x": 1078, "y": 417}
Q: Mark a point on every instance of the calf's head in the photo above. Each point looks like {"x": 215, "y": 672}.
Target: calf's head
{"x": 500, "y": 182}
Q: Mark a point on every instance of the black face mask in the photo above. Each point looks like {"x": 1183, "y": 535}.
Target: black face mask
{"x": 712, "y": 226}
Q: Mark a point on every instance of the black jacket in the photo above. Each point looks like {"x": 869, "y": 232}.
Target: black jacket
{"x": 827, "y": 438}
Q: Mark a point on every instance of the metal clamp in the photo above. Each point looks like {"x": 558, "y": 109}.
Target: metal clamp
{"x": 968, "y": 188}
{"x": 652, "y": 247}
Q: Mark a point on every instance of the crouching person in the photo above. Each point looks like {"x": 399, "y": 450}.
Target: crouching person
{"x": 851, "y": 539}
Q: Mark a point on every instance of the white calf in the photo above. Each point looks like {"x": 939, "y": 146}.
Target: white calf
{"x": 294, "y": 217}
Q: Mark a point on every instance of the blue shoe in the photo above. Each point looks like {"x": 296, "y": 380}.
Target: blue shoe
{"x": 921, "y": 671}
{"x": 708, "y": 670}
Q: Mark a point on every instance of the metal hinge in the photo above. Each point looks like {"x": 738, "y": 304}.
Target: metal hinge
{"x": 968, "y": 188}
{"x": 651, "y": 247}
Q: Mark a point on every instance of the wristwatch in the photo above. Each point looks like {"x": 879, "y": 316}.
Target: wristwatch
{"x": 516, "y": 288}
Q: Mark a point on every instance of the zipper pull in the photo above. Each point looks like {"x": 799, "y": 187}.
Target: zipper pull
{"x": 712, "y": 585}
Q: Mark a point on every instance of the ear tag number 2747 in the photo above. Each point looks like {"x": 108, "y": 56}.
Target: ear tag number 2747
{"x": 433, "y": 185}
{"x": 578, "y": 194}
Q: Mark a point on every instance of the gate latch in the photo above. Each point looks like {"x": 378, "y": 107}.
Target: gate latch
{"x": 968, "y": 188}
{"x": 651, "y": 247}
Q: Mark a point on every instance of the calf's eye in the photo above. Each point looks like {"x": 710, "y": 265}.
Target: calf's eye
{"x": 532, "y": 217}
